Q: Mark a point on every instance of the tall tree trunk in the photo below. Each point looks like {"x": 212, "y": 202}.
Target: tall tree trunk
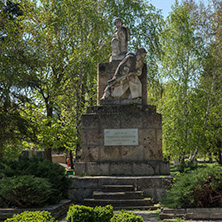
{"x": 48, "y": 150}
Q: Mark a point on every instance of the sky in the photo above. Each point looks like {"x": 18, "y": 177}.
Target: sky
{"x": 165, "y": 5}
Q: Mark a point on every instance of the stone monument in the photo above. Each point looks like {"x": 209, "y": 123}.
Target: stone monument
{"x": 122, "y": 135}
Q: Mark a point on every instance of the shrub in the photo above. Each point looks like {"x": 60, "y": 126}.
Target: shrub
{"x": 199, "y": 188}
{"x": 103, "y": 214}
{"x": 25, "y": 191}
{"x": 79, "y": 213}
{"x": 126, "y": 217}
{"x": 40, "y": 168}
{"x": 31, "y": 216}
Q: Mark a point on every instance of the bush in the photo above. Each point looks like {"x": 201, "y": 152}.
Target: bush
{"x": 31, "y": 216}
{"x": 25, "y": 191}
{"x": 199, "y": 188}
{"x": 39, "y": 168}
{"x": 103, "y": 214}
{"x": 79, "y": 213}
{"x": 126, "y": 217}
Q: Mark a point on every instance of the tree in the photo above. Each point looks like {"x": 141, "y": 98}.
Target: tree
{"x": 181, "y": 66}
{"x": 14, "y": 79}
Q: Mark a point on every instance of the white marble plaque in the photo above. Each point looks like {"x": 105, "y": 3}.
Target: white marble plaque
{"x": 120, "y": 137}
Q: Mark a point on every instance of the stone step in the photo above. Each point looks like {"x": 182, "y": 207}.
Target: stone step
{"x": 151, "y": 207}
{"x": 118, "y": 195}
{"x": 117, "y": 188}
{"x": 118, "y": 203}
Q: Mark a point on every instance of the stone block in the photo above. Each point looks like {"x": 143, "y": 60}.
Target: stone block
{"x": 85, "y": 182}
{"x": 79, "y": 194}
{"x": 147, "y": 137}
{"x": 110, "y": 153}
{"x": 97, "y": 169}
{"x": 165, "y": 168}
{"x": 89, "y": 121}
{"x": 151, "y": 153}
{"x": 90, "y": 154}
{"x": 152, "y": 120}
{"x": 109, "y": 121}
{"x": 83, "y": 137}
{"x": 159, "y": 136}
{"x": 131, "y": 120}
{"x": 120, "y": 169}
{"x": 129, "y": 153}
{"x": 94, "y": 137}
{"x": 80, "y": 168}
{"x": 142, "y": 169}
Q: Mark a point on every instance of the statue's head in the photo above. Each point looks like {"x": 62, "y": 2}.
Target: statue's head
{"x": 141, "y": 53}
{"x": 118, "y": 20}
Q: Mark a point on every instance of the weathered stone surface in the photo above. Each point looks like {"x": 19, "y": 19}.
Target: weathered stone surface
{"x": 206, "y": 214}
{"x": 120, "y": 169}
{"x": 147, "y": 137}
{"x": 134, "y": 153}
{"x": 108, "y": 122}
{"x": 110, "y": 154}
{"x": 152, "y": 186}
{"x": 94, "y": 137}
{"x": 100, "y": 118}
{"x": 90, "y": 154}
{"x": 142, "y": 169}
{"x": 131, "y": 120}
{"x": 89, "y": 121}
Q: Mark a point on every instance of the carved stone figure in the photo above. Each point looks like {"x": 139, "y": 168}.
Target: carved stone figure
{"x": 120, "y": 40}
{"x": 125, "y": 83}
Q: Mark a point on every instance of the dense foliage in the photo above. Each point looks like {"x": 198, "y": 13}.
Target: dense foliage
{"x": 126, "y": 217}
{"x": 82, "y": 213}
{"x": 79, "y": 213}
{"x": 25, "y": 191}
{"x": 198, "y": 188}
{"x": 30, "y": 216}
{"x": 51, "y": 175}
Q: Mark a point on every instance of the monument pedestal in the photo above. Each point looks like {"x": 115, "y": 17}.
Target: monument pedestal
{"x": 121, "y": 140}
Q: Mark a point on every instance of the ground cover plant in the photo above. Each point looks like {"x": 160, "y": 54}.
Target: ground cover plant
{"x": 41, "y": 181}
{"x": 198, "y": 188}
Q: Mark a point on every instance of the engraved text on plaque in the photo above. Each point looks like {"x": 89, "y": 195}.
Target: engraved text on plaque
{"x": 120, "y": 137}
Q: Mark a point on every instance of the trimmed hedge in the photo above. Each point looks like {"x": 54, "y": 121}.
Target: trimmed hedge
{"x": 79, "y": 213}
{"x": 32, "y": 216}
{"x": 199, "y": 188}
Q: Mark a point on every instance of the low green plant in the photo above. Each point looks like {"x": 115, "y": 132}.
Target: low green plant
{"x": 103, "y": 214}
{"x": 187, "y": 167}
{"x": 77, "y": 213}
{"x": 54, "y": 173}
{"x": 199, "y": 188}
{"x": 32, "y": 216}
{"x": 126, "y": 217}
{"x": 25, "y": 191}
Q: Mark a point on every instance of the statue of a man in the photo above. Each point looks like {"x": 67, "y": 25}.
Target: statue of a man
{"x": 125, "y": 83}
{"x": 120, "y": 40}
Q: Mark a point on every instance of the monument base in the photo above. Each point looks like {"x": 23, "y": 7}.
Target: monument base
{"x": 146, "y": 168}
{"x": 114, "y": 101}
{"x": 121, "y": 140}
